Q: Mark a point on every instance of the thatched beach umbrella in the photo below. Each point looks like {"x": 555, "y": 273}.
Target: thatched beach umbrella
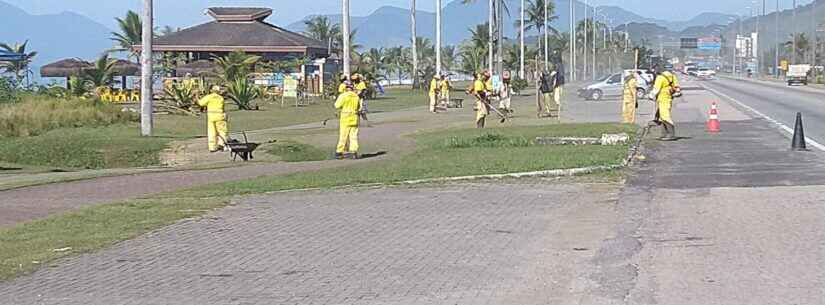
{"x": 200, "y": 68}
{"x": 65, "y": 68}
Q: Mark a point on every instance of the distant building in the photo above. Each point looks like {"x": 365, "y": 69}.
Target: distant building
{"x": 240, "y": 29}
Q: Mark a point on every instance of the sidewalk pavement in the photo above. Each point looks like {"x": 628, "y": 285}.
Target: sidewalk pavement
{"x": 728, "y": 218}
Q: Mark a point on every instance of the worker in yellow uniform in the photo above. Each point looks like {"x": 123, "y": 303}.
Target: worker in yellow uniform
{"x": 630, "y": 103}
{"x": 665, "y": 88}
{"x": 360, "y": 85}
{"x": 435, "y": 92}
{"x": 216, "y": 129}
{"x": 446, "y": 86}
{"x": 348, "y": 105}
{"x": 342, "y": 87}
{"x": 481, "y": 93}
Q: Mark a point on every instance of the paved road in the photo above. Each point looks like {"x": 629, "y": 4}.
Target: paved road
{"x": 525, "y": 243}
{"x": 779, "y": 102}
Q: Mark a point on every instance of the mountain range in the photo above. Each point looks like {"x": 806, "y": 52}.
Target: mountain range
{"x": 390, "y": 26}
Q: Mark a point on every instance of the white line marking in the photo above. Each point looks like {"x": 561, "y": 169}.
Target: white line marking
{"x": 769, "y": 119}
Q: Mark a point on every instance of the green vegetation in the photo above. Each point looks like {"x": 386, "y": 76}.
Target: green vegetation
{"x": 32, "y": 245}
{"x": 91, "y": 148}
{"x": 75, "y": 133}
{"x": 37, "y": 115}
{"x": 466, "y": 152}
{"x": 297, "y": 152}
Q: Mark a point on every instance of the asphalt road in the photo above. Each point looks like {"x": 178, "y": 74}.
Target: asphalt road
{"x": 779, "y": 102}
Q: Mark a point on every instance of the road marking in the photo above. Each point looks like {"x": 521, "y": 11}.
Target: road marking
{"x": 784, "y": 127}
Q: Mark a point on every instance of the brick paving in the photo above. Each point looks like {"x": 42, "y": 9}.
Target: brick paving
{"x": 456, "y": 244}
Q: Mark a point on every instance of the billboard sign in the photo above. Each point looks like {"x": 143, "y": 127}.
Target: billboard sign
{"x": 709, "y": 44}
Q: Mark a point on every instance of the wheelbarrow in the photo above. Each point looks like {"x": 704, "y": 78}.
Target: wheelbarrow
{"x": 242, "y": 150}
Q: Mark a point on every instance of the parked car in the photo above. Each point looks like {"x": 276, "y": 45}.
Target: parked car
{"x": 609, "y": 86}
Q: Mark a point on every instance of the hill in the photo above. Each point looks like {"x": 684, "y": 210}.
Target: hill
{"x": 390, "y": 26}
{"x": 54, "y": 36}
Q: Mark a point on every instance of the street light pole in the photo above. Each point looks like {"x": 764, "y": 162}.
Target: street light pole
{"x": 490, "y": 45}
{"x": 437, "y": 37}
{"x": 345, "y": 34}
{"x": 521, "y": 48}
{"x": 793, "y": 35}
{"x": 546, "y": 35}
{"x": 146, "y": 96}
{"x": 584, "y": 47}
{"x": 776, "y": 44}
{"x": 573, "y": 40}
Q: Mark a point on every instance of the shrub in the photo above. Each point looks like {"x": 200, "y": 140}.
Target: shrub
{"x": 36, "y": 115}
{"x": 7, "y": 92}
{"x": 519, "y": 84}
{"x": 243, "y": 93}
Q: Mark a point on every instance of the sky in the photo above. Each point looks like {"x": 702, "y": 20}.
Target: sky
{"x": 288, "y": 11}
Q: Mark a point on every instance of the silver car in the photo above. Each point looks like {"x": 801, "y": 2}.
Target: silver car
{"x": 608, "y": 87}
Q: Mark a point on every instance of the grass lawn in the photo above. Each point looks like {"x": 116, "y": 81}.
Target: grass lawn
{"x": 33, "y": 245}
{"x": 121, "y": 146}
{"x": 454, "y": 153}
{"x": 437, "y": 156}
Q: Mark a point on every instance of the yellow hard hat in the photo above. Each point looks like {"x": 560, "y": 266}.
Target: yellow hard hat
{"x": 216, "y": 89}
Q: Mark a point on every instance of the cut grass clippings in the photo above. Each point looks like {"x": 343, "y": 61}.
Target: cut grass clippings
{"x": 35, "y": 244}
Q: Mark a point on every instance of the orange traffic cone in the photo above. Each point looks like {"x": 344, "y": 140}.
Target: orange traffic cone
{"x": 713, "y": 121}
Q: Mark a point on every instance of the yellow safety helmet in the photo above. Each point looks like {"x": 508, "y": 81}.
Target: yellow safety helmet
{"x": 215, "y": 89}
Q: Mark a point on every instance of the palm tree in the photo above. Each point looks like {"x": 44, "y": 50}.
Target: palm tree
{"x": 166, "y": 30}
{"x": 131, "y": 29}
{"x": 472, "y": 58}
{"x": 479, "y": 39}
{"x": 353, "y": 47}
{"x": 535, "y": 16}
{"x": 320, "y": 28}
{"x": 235, "y": 65}
{"x": 20, "y": 69}
{"x": 802, "y": 45}
{"x": 448, "y": 57}
{"x": 101, "y": 73}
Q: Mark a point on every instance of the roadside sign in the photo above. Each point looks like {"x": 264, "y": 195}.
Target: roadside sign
{"x": 290, "y": 87}
{"x": 689, "y": 43}
{"x": 709, "y": 44}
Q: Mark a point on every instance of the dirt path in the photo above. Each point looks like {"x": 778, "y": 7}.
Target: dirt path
{"x": 387, "y": 134}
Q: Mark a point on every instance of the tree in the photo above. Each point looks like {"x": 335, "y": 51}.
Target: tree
{"x": 236, "y": 65}
{"x": 320, "y": 28}
{"x": 166, "y": 30}
{"x": 101, "y": 73}
{"x": 802, "y": 45}
{"x": 20, "y": 69}
{"x": 131, "y": 29}
{"x": 479, "y": 39}
{"x": 535, "y": 16}
{"x": 448, "y": 58}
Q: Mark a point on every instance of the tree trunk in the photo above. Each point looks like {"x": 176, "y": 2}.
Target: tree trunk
{"x": 345, "y": 31}
{"x": 146, "y": 108}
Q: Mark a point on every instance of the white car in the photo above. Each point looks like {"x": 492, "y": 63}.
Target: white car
{"x": 705, "y": 73}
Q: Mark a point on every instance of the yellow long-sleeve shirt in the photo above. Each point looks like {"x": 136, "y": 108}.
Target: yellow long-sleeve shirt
{"x": 348, "y": 104}
{"x": 434, "y": 86}
{"x": 664, "y": 83}
{"x": 214, "y": 103}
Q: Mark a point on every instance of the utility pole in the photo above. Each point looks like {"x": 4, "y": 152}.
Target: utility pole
{"x": 146, "y": 96}
{"x": 438, "y": 37}
{"x": 572, "y": 40}
{"x": 584, "y": 47}
{"x": 758, "y": 41}
{"x": 595, "y": 37}
{"x": 813, "y": 35}
{"x": 414, "y": 46}
{"x": 521, "y": 48}
{"x": 490, "y": 45}
{"x": 776, "y": 43}
{"x": 546, "y": 35}
{"x": 793, "y": 35}
{"x": 345, "y": 31}
{"x": 500, "y": 37}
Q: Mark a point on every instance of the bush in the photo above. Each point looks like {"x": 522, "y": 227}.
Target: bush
{"x": 7, "y": 92}
{"x": 519, "y": 84}
{"x": 243, "y": 93}
{"x": 36, "y": 115}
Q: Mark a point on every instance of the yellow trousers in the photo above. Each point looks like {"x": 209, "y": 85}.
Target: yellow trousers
{"x": 481, "y": 113}
{"x": 547, "y": 98}
{"x": 433, "y": 101}
{"x": 629, "y": 111}
{"x": 557, "y": 95}
{"x": 347, "y": 139}
{"x": 216, "y": 130}
{"x": 665, "y": 110}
